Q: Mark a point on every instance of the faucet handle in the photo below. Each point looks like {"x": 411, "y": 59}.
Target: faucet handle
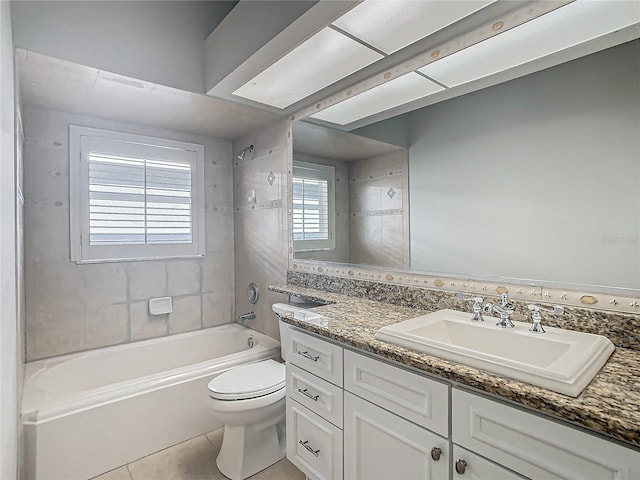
{"x": 477, "y": 305}
{"x": 536, "y": 317}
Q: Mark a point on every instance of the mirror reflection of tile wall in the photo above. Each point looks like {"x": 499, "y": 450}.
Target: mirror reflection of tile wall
{"x": 379, "y": 211}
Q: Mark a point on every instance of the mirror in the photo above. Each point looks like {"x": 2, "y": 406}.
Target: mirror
{"x": 367, "y": 185}
{"x": 535, "y": 179}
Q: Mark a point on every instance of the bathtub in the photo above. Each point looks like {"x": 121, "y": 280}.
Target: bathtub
{"x": 90, "y": 412}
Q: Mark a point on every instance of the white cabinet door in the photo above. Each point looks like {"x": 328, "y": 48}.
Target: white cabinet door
{"x": 469, "y": 466}
{"x": 536, "y": 447}
{"x": 379, "y": 445}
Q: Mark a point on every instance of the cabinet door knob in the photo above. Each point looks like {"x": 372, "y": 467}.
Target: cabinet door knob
{"x": 461, "y": 466}
{"x": 435, "y": 453}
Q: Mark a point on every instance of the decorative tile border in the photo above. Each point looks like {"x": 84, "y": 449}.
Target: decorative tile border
{"x": 377, "y": 213}
{"x": 574, "y": 297}
{"x": 435, "y": 293}
{"x": 259, "y": 206}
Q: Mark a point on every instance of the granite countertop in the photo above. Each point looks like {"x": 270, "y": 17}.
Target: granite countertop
{"x": 610, "y": 404}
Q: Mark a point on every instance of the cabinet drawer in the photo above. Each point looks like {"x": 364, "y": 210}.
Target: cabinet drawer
{"x": 313, "y": 444}
{"x": 315, "y": 355}
{"x": 417, "y": 398}
{"x": 381, "y": 445}
{"x": 536, "y": 447}
{"x": 318, "y": 395}
{"x": 478, "y": 468}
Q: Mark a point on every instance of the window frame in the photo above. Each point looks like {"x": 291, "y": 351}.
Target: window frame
{"x": 80, "y": 139}
{"x": 329, "y": 174}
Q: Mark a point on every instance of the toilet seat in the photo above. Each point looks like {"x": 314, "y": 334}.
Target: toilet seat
{"x": 248, "y": 381}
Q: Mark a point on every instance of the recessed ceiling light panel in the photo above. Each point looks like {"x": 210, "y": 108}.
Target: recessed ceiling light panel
{"x": 567, "y": 26}
{"x": 394, "y": 93}
{"x": 390, "y": 25}
{"x": 320, "y": 61}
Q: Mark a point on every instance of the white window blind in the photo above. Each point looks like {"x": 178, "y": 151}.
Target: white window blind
{"x": 135, "y": 197}
{"x": 313, "y": 206}
{"x": 138, "y": 201}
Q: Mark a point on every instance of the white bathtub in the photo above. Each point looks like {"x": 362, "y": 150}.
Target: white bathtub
{"x": 90, "y": 412}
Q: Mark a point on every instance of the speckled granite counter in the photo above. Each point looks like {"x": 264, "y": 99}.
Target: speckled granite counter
{"x": 610, "y": 404}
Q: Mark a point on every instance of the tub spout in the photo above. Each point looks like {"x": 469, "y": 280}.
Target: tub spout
{"x": 246, "y": 316}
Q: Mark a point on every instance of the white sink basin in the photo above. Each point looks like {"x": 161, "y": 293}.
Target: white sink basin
{"x": 561, "y": 360}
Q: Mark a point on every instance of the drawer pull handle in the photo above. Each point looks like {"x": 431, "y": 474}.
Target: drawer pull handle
{"x": 461, "y": 466}
{"x": 306, "y": 445}
{"x": 310, "y": 357}
{"x": 435, "y": 453}
{"x": 306, "y": 393}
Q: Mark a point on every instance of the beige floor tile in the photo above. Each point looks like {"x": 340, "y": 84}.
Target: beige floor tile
{"x": 190, "y": 460}
{"x": 118, "y": 474}
{"x": 194, "y": 459}
{"x": 215, "y": 438}
{"x": 283, "y": 470}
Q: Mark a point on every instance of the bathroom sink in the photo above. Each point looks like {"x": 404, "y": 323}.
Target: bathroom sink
{"x": 564, "y": 361}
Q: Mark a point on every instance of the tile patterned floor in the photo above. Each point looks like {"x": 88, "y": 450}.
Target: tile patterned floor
{"x": 194, "y": 459}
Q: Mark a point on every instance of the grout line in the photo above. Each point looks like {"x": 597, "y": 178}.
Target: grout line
{"x": 129, "y": 471}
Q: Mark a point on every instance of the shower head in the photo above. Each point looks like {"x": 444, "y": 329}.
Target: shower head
{"x": 244, "y": 151}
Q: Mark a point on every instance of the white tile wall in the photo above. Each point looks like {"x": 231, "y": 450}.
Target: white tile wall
{"x": 261, "y": 234}
{"x": 73, "y": 307}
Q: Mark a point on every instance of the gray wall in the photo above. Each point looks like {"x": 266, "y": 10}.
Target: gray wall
{"x": 160, "y": 42}
{"x": 536, "y": 178}
{"x": 72, "y": 307}
{"x": 262, "y": 228}
{"x": 10, "y": 363}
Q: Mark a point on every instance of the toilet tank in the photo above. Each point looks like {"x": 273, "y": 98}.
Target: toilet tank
{"x": 285, "y": 329}
{"x": 283, "y": 309}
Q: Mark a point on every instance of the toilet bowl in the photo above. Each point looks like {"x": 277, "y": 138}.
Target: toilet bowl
{"x": 250, "y": 401}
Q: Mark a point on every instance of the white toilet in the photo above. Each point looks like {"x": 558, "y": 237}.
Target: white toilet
{"x": 250, "y": 401}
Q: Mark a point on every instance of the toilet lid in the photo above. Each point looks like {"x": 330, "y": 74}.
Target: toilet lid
{"x": 248, "y": 381}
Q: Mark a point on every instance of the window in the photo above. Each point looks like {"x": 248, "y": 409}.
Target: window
{"x": 134, "y": 197}
{"x": 313, "y": 207}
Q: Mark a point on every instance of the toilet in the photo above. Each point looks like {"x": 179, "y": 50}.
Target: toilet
{"x": 250, "y": 401}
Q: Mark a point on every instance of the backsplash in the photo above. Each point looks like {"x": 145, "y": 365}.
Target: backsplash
{"x": 622, "y": 329}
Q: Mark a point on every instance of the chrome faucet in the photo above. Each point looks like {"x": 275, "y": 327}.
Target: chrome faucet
{"x": 246, "y": 316}
{"x": 477, "y": 306}
{"x": 536, "y": 317}
{"x": 505, "y": 310}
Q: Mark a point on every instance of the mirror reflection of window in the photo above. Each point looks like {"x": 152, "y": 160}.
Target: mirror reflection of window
{"x": 313, "y": 207}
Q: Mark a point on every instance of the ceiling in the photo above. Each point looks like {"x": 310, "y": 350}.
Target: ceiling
{"x": 322, "y": 142}
{"x": 57, "y": 84}
{"x": 347, "y": 64}
{"x": 260, "y": 75}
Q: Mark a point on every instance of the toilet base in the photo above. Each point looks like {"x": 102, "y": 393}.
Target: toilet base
{"x": 246, "y": 450}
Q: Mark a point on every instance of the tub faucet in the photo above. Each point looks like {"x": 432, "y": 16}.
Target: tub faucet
{"x": 505, "y": 309}
{"x": 246, "y": 316}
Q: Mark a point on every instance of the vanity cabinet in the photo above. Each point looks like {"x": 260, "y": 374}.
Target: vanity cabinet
{"x": 534, "y": 446}
{"x": 356, "y": 417}
{"x": 395, "y": 422}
